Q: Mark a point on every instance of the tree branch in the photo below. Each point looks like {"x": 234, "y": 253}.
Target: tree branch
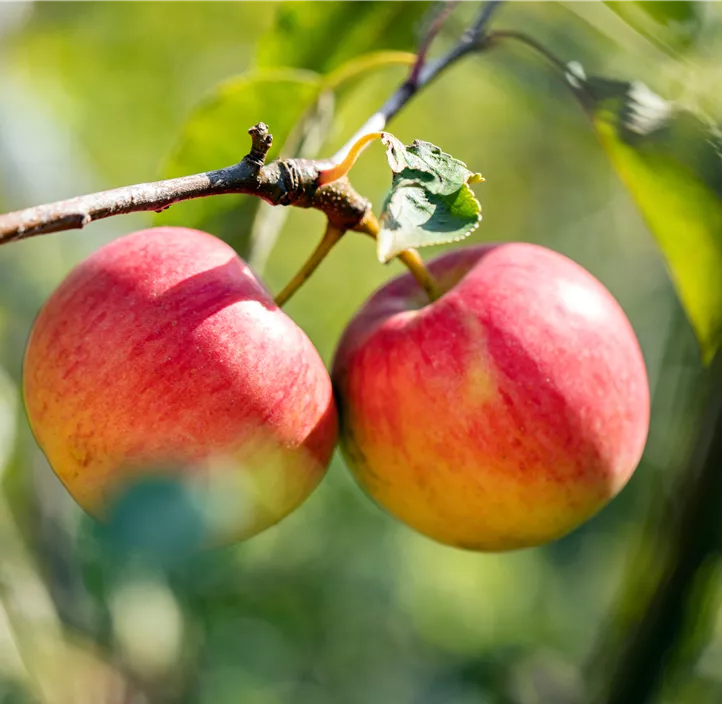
{"x": 248, "y": 176}
{"x": 282, "y": 182}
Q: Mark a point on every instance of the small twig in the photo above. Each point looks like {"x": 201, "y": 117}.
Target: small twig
{"x": 521, "y": 37}
{"x": 330, "y": 238}
{"x": 500, "y": 35}
{"x": 422, "y": 74}
{"x": 429, "y": 36}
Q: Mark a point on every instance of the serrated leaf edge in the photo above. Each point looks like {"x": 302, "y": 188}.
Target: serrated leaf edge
{"x": 386, "y": 254}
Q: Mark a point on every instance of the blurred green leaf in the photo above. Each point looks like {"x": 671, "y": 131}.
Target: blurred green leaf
{"x": 15, "y": 692}
{"x": 430, "y": 201}
{"x": 158, "y": 518}
{"x": 321, "y": 36}
{"x": 671, "y": 24}
{"x": 671, "y": 162}
{"x": 8, "y": 418}
{"x": 365, "y": 63}
{"x": 215, "y": 136}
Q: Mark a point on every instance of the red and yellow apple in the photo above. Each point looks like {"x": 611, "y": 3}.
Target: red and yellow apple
{"x": 503, "y": 414}
{"x": 163, "y": 350}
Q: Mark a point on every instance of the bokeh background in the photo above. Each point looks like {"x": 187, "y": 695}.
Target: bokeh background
{"x": 338, "y": 603}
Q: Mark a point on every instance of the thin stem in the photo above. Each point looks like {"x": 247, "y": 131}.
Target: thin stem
{"x": 410, "y": 258}
{"x": 421, "y": 75}
{"x": 330, "y": 238}
{"x": 415, "y": 264}
{"x": 434, "y": 28}
{"x": 501, "y": 34}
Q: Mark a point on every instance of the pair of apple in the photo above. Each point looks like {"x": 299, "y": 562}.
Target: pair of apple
{"x": 500, "y": 416}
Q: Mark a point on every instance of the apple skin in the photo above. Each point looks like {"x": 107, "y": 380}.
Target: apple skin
{"x": 163, "y": 350}
{"x": 502, "y": 415}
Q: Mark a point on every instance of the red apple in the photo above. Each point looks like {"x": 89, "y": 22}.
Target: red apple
{"x": 163, "y": 349}
{"x": 505, "y": 413}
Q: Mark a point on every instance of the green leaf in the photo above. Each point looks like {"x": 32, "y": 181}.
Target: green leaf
{"x": 670, "y": 159}
{"x": 672, "y": 25}
{"x": 322, "y": 35}
{"x": 430, "y": 201}
{"x": 215, "y": 136}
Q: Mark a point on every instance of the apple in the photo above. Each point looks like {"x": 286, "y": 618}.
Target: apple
{"x": 163, "y": 352}
{"x": 502, "y": 415}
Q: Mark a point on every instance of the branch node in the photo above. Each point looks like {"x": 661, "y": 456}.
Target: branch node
{"x": 293, "y": 181}
{"x": 343, "y": 206}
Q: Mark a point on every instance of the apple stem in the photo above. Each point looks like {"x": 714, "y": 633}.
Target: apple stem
{"x": 330, "y": 238}
{"x": 410, "y": 258}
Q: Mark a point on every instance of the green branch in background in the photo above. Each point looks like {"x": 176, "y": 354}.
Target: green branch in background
{"x": 693, "y": 545}
{"x": 669, "y": 157}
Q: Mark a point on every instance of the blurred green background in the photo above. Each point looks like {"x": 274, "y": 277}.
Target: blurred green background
{"x": 338, "y": 603}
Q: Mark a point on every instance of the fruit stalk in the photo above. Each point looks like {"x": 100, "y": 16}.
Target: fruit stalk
{"x": 330, "y": 238}
{"x": 410, "y": 258}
